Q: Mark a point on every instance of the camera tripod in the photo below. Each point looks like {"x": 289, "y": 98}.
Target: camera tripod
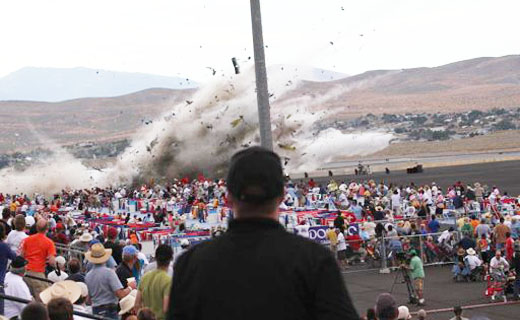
{"x": 403, "y": 276}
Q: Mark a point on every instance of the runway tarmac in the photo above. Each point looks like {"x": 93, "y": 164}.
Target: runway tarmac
{"x": 504, "y": 174}
{"x": 440, "y": 292}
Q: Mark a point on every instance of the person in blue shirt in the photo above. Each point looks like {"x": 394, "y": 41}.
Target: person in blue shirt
{"x": 434, "y": 225}
{"x": 357, "y": 210}
{"x": 5, "y": 254}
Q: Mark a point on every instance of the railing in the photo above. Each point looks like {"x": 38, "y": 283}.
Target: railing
{"x": 382, "y": 254}
{"x": 78, "y": 313}
{"x": 69, "y": 252}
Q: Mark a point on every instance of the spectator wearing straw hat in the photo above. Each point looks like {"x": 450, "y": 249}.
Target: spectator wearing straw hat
{"x": 15, "y": 286}
{"x": 103, "y": 284}
{"x": 80, "y": 304}
{"x": 127, "y": 304}
{"x": 67, "y": 289}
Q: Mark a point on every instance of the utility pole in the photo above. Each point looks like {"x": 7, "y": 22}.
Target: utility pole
{"x": 262, "y": 93}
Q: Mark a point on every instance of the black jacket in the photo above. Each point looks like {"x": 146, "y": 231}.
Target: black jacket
{"x": 257, "y": 270}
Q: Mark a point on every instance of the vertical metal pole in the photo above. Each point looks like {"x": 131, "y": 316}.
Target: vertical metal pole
{"x": 384, "y": 265}
{"x": 262, "y": 94}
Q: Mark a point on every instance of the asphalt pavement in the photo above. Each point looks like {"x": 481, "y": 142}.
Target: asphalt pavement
{"x": 504, "y": 174}
{"x": 440, "y": 291}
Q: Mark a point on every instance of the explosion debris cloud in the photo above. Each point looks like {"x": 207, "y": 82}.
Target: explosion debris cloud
{"x": 200, "y": 134}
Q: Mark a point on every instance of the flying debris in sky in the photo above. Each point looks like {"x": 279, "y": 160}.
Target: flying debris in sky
{"x": 286, "y": 147}
{"x": 213, "y": 71}
{"x": 235, "y": 65}
{"x": 236, "y": 122}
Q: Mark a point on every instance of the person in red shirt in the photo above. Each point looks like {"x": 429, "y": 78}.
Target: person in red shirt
{"x": 510, "y": 247}
{"x": 38, "y": 250}
{"x": 354, "y": 241}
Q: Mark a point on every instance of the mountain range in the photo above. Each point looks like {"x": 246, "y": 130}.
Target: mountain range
{"x": 481, "y": 84}
{"x": 60, "y": 84}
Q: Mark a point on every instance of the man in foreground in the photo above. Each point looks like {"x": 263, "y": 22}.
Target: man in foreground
{"x": 257, "y": 270}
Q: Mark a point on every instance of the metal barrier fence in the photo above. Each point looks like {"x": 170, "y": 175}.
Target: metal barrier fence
{"x": 78, "y": 313}
{"x": 69, "y": 252}
{"x": 385, "y": 253}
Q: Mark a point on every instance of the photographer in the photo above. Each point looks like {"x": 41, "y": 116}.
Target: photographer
{"x": 417, "y": 272}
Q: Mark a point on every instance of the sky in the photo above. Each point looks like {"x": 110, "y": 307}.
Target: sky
{"x": 184, "y": 38}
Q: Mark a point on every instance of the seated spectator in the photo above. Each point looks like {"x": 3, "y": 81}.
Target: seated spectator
{"x": 34, "y": 311}
{"x": 60, "y": 309}
{"x": 75, "y": 271}
{"x": 127, "y": 305}
{"x": 69, "y": 290}
{"x": 80, "y": 304}
{"x": 60, "y": 275}
{"x": 404, "y": 313}
{"x": 421, "y": 314}
{"x": 145, "y": 314}
{"x": 386, "y": 307}
{"x": 458, "y": 314}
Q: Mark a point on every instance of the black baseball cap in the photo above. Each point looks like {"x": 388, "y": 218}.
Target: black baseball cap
{"x": 18, "y": 262}
{"x": 255, "y": 175}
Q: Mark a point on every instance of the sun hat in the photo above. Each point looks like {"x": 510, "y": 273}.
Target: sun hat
{"x": 404, "y": 313}
{"x": 98, "y": 254}
{"x": 461, "y": 252}
{"x": 86, "y": 237}
{"x": 127, "y": 303}
{"x": 67, "y": 289}
{"x": 185, "y": 243}
{"x": 84, "y": 288}
{"x": 471, "y": 252}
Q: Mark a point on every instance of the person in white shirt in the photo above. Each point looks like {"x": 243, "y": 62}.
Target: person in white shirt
{"x": 15, "y": 237}
{"x": 15, "y": 286}
{"x": 53, "y": 275}
{"x": 471, "y": 260}
{"x": 185, "y": 244}
{"x": 303, "y": 229}
{"x": 342, "y": 250}
{"x": 396, "y": 202}
{"x": 498, "y": 264}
